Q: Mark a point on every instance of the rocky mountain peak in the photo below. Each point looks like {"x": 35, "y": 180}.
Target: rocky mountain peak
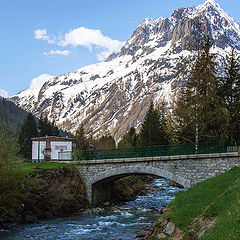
{"x": 112, "y": 96}
{"x": 211, "y": 3}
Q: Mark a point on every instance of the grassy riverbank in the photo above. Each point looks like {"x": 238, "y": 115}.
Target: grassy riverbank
{"x": 33, "y": 191}
{"x": 28, "y": 167}
{"x": 209, "y": 210}
{"x": 29, "y": 192}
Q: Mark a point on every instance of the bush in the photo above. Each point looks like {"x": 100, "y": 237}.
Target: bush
{"x": 78, "y": 155}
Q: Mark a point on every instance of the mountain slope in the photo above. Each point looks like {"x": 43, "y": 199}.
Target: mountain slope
{"x": 9, "y": 112}
{"x": 111, "y": 96}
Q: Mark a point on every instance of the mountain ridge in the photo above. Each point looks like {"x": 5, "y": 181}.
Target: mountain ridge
{"x": 112, "y": 96}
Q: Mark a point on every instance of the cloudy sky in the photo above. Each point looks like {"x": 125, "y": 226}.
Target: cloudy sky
{"x": 44, "y": 38}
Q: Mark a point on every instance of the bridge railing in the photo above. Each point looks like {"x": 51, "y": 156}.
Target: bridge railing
{"x": 163, "y": 150}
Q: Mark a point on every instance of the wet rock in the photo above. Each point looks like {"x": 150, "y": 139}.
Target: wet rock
{"x": 169, "y": 228}
{"x": 174, "y": 184}
{"x": 161, "y": 235}
{"x": 94, "y": 211}
{"x": 141, "y": 234}
{"x": 49, "y": 227}
{"x": 106, "y": 204}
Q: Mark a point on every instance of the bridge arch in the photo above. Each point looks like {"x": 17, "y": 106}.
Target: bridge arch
{"x": 118, "y": 172}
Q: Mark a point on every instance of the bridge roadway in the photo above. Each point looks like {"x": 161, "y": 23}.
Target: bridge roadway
{"x": 185, "y": 170}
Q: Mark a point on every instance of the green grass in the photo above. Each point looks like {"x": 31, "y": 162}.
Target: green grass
{"x": 214, "y": 198}
{"x": 35, "y": 167}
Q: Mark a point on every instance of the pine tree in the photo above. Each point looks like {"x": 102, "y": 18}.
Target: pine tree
{"x": 129, "y": 139}
{"x": 171, "y": 131}
{"x": 28, "y": 130}
{"x": 8, "y": 142}
{"x": 154, "y": 127}
{"x": 105, "y": 142}
{"x": 230, "y": 92}
{"x": 163, "y": 124}
{"x": 82, "y": 142}
{"x": 199, "y": 113}
{"x": 47, "y": 128}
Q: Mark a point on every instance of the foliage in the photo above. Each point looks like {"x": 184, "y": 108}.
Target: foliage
{"x": 199, "y": 114}
{"x": 8, "y": 141}
{"x": 230, "y": 92}
{"x": 10, "y": 177}
{"x": 154, "y": 127}
{"x": 28, "y": 131}
{"x": 129, "y": 139}
{"x": 82, "y": 143}
{"x": 55, "y": 192}
{"x": 164, "y": 124}
{"x": 78, "y": 155}
{"x": 47, "y": 128}
{"x": 171, "y": 131}
{"x": 31, "y": 191}
{"x": 9, "y": 112}
{"x": 105, "y": 142}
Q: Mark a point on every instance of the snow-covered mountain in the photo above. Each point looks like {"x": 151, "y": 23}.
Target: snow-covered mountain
{"x": 111, "y": 96}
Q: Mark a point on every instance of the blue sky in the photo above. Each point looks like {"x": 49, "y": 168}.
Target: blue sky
{"x": 45, "y": 37}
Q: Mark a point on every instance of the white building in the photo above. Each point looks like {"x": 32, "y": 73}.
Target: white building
{"x": 48, "y": 148}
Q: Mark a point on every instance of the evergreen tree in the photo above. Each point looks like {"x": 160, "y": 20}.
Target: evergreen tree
{"x": 230, "y": 92}
{"x": 199, "y": 113}
{"x": 28, "y": 130}
{"x": 47, "y": 128}
{"x": 163, "y": 124}
{"x": 105, "y": 142}
{"x": 82, "y": 143}
{"x": 55, "y": 129}
{"x": 171, "y": 131}
{"x": 9, "y": 112}
{"x": 8, "y": 142}
{"x": 129, "y": 139}
{"x": 154, "y": 127}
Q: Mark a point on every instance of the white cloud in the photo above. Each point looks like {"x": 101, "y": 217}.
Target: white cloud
{"x": 42, "y": 34}
{"x": 104, "y": 54}
{"x": 37, "y": 82}
{"x": 91, "y": 37}
{"x": 58, "y": 52}
{"x": 4, "y": 93}
{"x": 88, "y": 37}
{"x": 82, "y": 37}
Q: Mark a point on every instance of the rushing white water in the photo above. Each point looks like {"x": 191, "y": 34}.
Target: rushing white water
{"x": 119, "y": 222}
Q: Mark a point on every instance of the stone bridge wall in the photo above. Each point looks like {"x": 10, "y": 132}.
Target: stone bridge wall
{"x": 185, "y": 170}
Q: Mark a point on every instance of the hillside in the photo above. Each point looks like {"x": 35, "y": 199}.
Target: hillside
{"x": 11, "y": 113}
{"x": 112, "y": 96}
{"x": 209, "y": 210}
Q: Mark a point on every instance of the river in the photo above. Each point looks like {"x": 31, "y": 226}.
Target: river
{"x": 114, "y": 223}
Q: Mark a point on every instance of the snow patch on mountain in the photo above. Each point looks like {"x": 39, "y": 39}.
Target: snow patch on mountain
{"x": 112, "y": 96}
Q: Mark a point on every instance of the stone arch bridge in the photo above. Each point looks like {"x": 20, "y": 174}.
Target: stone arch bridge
{"x": 185, "y": 170}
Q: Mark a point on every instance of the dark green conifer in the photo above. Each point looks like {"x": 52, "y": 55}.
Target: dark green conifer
{"x": 129, "y": 139}
{"x": 230, "y": 92}
{"x": 47, "y": 128}
{"x": 154, "y": 127}
{"x": 28, "y": 131}
{"x": 199, "y": 113}
{"x": 105, "y": 142}
{"x": 82, "y": 143}
{"x": 163, "y": 124}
